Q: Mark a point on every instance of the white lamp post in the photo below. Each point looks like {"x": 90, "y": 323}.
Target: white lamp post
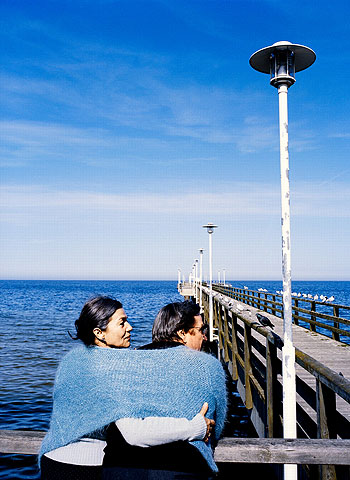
{"x": 201, "y": 250}
{"x": 193, "y": 285}
{"x": 178, "y": 277}
{"x": 219, "y": 273}
{"x": 210, "y": 229}
{"x": 196, "y": 279}
{"x": 281, "y": 61}
{"x": 224, "y": 276}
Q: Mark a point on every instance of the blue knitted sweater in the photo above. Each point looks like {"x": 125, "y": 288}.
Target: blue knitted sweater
{"x": 95, "y": 386}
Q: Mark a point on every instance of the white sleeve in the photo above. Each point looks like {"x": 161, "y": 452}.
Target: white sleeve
{"x": 150, "y": 431}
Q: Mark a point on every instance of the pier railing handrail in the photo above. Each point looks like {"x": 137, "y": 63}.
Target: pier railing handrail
{"x": 268, "y": 302}
{"x": 240, "y": 450}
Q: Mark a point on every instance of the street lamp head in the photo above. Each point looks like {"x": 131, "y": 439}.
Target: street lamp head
{"x": 201, "y": 250}
{"x": 281, "y": 60}
{"x": 210, "y": 227}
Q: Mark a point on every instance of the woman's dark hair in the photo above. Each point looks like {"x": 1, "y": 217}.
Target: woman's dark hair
{"x": 172, "y": 318}
{"x": 96, "y": 313}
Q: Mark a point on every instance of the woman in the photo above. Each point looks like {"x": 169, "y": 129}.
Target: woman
{"x": 96, "y": 386}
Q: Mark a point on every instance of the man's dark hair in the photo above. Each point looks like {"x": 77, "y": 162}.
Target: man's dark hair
{"x": 172, "y": 318}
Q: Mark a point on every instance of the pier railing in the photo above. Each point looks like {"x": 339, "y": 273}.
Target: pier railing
{"x": 229, "y": 450}
{"x": 325, "y": 318}
{"x": 253, "y": 356}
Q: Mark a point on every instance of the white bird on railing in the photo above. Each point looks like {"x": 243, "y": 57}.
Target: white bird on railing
{"x": 324, "y": 299}
{"x": 316, "y": 297}
{"x": 309, "y": 295}
{"x": 304, "y": 295}
{"x": 330, "y": 299}
{"x": 245, "y": 288}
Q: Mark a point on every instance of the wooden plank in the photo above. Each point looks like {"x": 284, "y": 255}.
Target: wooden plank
{"x": 241, "y": 450}
{"x": 279, "y": 450}
{"x": 21, "y": 441}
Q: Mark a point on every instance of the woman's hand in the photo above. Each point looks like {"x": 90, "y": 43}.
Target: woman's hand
{"x": 209, "y": 422}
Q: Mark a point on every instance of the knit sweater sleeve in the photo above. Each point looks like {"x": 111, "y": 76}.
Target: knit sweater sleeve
{"x": 150, "y": 431}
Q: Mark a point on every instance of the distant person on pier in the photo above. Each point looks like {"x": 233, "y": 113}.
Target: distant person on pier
{"x": 176, "y": 325}
{"x": 103, "y": 382}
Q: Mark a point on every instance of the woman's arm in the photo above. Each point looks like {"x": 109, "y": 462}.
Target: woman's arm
{"x": 151, "y": 431}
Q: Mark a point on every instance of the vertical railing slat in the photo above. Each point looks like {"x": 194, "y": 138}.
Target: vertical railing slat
{"x": 336, "y": 335}
{"x": 247, "y": 366}
{"x": 326, "y": 423}
{"x": 234, "y": 349}
{"x": 271, "y": 380}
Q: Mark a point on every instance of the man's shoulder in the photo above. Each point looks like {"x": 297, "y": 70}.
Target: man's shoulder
{"x": 202, "y": 358}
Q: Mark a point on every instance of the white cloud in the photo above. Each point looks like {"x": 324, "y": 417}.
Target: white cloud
{"x": 246, "y": 199}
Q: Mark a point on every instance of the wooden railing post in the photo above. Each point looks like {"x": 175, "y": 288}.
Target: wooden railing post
{"x": 234, "y": 348}
{"x": 313, "y": 318}
{"x": 296, "y": 304}
{"x": 248, "y": 366}
{"x": 336, "y": 335}
{"x": 226, "y": 337}
{"x": 258, "y": 303}
{"x": 271, "y": 381}
{"x": 265, "y": 302}
{"x": 220, "y": 324}
{"x": 326, "y": 423}
{"x": 273, "y": 308}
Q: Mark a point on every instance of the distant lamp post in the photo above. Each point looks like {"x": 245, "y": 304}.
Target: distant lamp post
{"x": 282, "y": 60}
{"x": 178, "y": 277}
{"x": 196, "y": 279}
{"x": 224, "y": 276}
{"x": 201, "y": 250}
{"x": 210, "y": 229}
{"x": 219, "y": 276}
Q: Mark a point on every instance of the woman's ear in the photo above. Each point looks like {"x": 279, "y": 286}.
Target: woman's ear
{"x": 98, "y": 334}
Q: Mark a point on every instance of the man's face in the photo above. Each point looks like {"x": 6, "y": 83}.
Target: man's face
{"x": 194, "y": 337}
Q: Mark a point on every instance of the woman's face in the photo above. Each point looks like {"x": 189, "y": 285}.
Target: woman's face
{"x": 117, "y": 333}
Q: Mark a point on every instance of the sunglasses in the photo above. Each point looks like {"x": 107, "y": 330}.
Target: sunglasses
{"x": 204, "y": 329}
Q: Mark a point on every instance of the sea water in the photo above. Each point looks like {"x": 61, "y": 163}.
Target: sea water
{"x": 35, "y": 318}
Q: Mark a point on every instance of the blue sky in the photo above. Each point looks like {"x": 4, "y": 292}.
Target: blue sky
{"x": 127, "y": 125}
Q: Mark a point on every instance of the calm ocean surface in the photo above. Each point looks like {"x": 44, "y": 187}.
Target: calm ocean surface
{"x": 35, "y": 317}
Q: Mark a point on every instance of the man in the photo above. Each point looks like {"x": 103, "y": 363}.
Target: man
{"x": 176, "y": 323}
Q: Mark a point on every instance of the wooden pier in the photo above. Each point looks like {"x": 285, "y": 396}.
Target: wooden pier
{"x": 252, "y": 354}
